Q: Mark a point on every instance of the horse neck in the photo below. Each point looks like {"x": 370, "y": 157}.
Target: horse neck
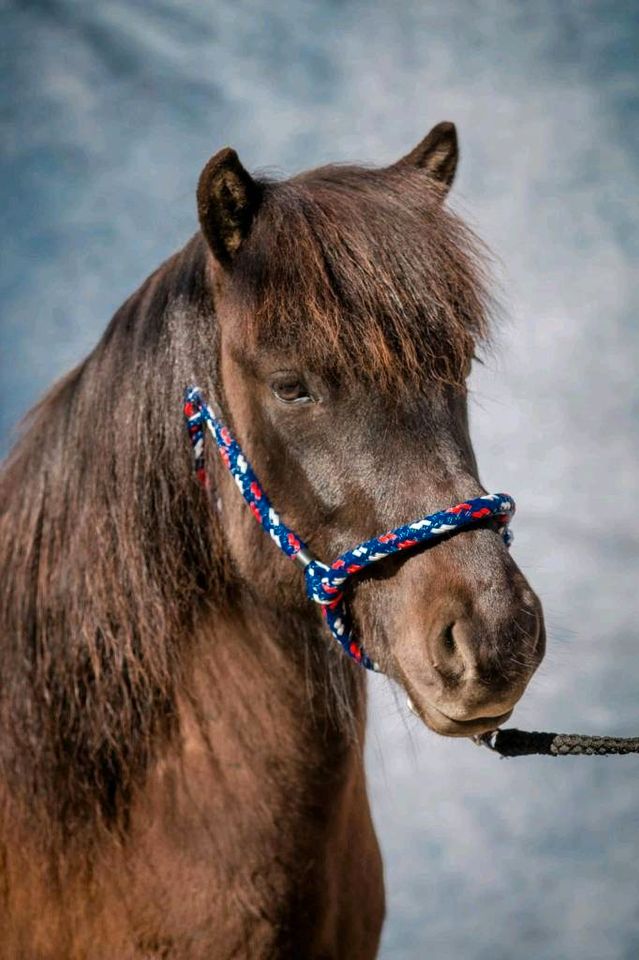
{"x": 274, "y": 677}
{"x": 115, "y": 588}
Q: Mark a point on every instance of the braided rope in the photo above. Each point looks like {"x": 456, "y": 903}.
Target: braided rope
{"x": 520, "y": 743}
{"x": 326, "y": 584}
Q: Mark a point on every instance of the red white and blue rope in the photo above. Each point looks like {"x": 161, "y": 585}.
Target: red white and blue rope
{"x": 326, "y": 585}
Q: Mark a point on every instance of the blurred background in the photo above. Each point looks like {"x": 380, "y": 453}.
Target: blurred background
{"x": 109, "y": 112}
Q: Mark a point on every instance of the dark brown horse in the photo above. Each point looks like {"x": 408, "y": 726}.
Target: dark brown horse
{"x": 181, "y": 744}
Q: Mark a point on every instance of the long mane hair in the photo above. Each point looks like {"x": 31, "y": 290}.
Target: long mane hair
{"x": 111, "y": 550}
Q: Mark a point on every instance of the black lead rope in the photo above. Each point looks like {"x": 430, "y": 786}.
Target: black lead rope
{"x": 520, "y": 743}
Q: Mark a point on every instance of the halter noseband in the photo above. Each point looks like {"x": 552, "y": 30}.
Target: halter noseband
{"x": 326, "y": 584}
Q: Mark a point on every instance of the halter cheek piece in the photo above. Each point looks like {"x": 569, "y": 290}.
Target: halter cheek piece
{"x": 326, "y": 584}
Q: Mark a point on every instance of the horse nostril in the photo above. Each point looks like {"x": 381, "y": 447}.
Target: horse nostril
{"x": 448, "y": 639}
{"x": 447, "y": 653}
{"x": 449, "y": 656}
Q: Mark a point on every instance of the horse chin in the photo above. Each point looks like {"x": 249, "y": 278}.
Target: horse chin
{"x": 446, "y": 726}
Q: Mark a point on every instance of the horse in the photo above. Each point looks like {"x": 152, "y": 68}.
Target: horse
{"x": 181, "y": 752}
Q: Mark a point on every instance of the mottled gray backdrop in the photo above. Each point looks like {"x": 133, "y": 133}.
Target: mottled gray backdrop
{"x": 111, "y": 109}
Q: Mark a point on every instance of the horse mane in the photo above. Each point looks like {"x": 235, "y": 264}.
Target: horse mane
{"x": 111, "y": 550}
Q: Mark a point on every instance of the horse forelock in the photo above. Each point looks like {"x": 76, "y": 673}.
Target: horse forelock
{"x": 364, "y": 275}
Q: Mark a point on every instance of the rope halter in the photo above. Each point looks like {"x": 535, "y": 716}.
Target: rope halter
{"x": 326, "y": 585}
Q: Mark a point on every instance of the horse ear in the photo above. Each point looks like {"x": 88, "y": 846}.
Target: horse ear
{"x": 437, "y": 155}
{"x": 227, "y": 200}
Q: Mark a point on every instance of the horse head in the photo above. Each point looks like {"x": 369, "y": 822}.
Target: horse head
{"x": 349, "y": 304}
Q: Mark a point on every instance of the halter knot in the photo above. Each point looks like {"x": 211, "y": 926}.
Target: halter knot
{"x": 318, "y": 585}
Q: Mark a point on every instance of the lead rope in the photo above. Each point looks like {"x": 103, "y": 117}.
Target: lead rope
{"x": 519, "y": 743}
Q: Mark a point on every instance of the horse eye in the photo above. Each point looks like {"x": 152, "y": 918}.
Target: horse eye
{"x": 291, "y": 390}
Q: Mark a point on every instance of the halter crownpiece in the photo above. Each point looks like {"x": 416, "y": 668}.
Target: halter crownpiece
{"x": 326, "y": 584}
